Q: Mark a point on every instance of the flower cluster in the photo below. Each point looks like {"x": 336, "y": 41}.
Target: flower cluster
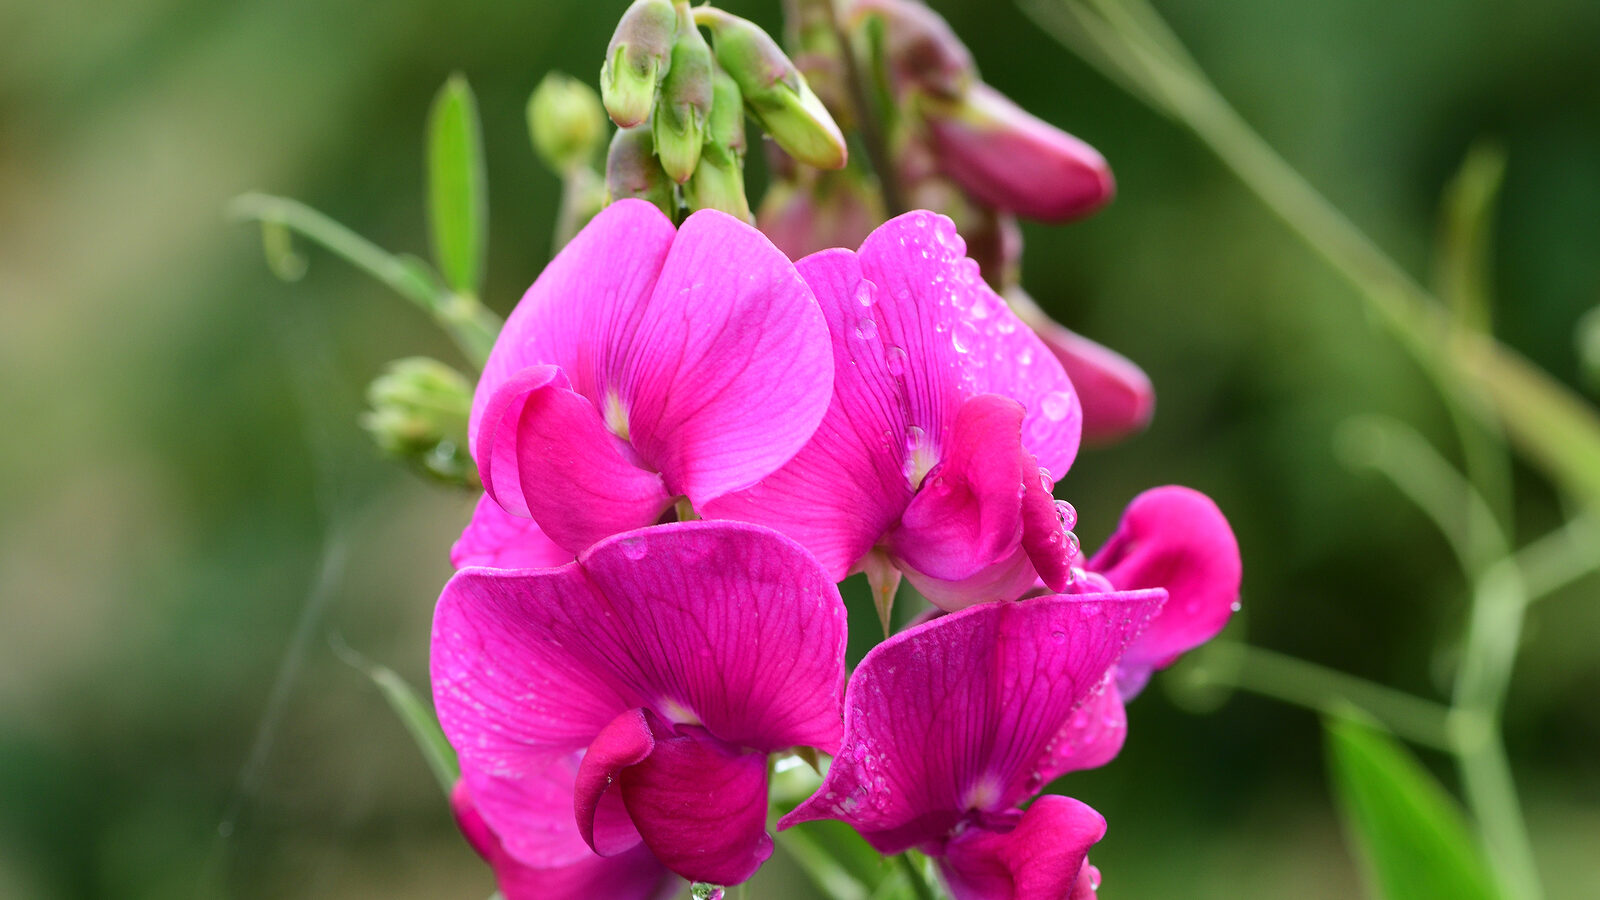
{"x": 686, "y": 441}
{"x": 958, "y": 146}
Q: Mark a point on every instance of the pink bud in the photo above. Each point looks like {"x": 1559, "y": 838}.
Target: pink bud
{"x": 1116, "y": 394}
{"x": 817, "y": 211}
{"x": 1012, "y": 160}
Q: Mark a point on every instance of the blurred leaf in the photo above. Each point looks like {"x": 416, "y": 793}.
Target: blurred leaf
{"x": 414, "y": 713}
{"x": 1410, "y": 833}
{"x": 1588, "y": 339}
{"x": 278, "y": 244}
{"x": 457, "y": 193}
{"x": 1466, "y": 233}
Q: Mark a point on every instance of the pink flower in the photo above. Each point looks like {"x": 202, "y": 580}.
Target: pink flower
{"x": 1173, "y": 538}
{"x": 952, "y": 725}
{"x": 948, "y": 421}
{"x": 674, "y": 659}
{"x": 645, "y": 365}
{"x": 567, "y": 869}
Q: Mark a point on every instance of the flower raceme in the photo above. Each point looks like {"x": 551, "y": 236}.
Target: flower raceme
{"x": 646, "y": 364}
{"x": 949, "y": 422}
{"x": 952, "y": 725}
{"x": 630, "y": 699}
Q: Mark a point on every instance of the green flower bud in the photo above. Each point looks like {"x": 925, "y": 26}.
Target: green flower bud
{"x": 566, "y": 122}
{"x": 718, "y": 181}
{"x": 637, "y": 59}
{"x": 684, "y": 103}
{"x": 419, "y": 415}
{"x": 775, "y": 91}
{"x": 632, "y": 170}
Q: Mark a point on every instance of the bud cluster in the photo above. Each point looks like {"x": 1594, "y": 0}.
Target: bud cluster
{"x": 680, "y": 102}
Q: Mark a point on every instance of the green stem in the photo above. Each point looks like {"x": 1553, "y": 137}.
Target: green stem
{"x": 916, "y": 876}
{"x": 1321, "y": 689}
{"x": 1561, "y": 557}
{"x": 1493, "y": 635}
{"x": 866, "y": 116}
{"x": 469, "y": 323}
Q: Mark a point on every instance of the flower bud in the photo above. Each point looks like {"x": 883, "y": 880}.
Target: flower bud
{"x": 632, "y": 170}
{"x": 683, "y": 103}
{"x": 566, "y": 122}
{"x": 1116, "y": 394}
{"x": 1011, "y": 160}
{"x": 637, "y": 59}
{"x": 775, "y": 92}
{"x": 921, "y": 48}
{"x": 718, "y": 181}
{"x": 419, "y": 414}
{"x": 818, "y": 210}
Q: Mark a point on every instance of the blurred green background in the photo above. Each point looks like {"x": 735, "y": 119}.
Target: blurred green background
{"x": 184, "y": 478}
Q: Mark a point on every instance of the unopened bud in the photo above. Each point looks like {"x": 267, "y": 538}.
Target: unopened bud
{"x": 684, "y": 103}
{"x": 921, "y": 48}
{"x": 1009, "y": 159}
{"x": 775, "y": 92}
{"x": 419, "y": 411}
{"x": 818, "y": 210}
{"x": 632, "y": 170}
{"x": 718, "y": 181}
{"x": 637, "y": 59}
{"x": 566, "y": 122}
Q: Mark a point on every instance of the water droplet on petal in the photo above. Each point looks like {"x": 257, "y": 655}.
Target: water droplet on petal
{"x": 866, "y": 329}
{"x": 1067, "y": 514}
{"x": 895, "y": 357}
{"x": 1056, "y": 405}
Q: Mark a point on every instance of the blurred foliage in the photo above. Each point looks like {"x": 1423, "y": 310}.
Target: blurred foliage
{"x": 188, "y": 497}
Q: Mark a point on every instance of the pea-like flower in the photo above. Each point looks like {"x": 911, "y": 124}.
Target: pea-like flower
{"x": 948, "y": 422}
{"x": 952, "y": 725}
{"x": 1173, "y": 538}
{"x": 647, "y": 365}
{"x": 661, "y": 668}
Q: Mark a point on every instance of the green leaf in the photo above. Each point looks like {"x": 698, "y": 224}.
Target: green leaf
{"x": 1411, "y": 835}
{"x": 414, "y": 713}
{"x": 1466, "y": 232}
{"x": 458, "y": 203}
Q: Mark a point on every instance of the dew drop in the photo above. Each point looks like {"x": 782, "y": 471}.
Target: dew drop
{"x": 634, "y": 550}
{"x": 1067, "y": 514}
{"x": 866, "y": 329}
{"x": 1236, "y": 606}
{"x": 895, "y": 357}
{"x": 1056, "y": 405}
{"x": 866, "y": 292}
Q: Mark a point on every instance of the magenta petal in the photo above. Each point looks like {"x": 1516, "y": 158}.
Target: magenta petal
{"x": 951, "y": 720}
{"x": 582, "y": 312}
{"x": 544, "y": 449}
{"x": 1091, "y": 738}
{"x": 847, "y": 486}
{"x": 606, "y": 826}
{"x": 701, "y": 807}
{"x": 1174, "y": 538}
{"x": 1045, "y": 855}
{"x": 731, "y": 367}
{"x": 1044, "y": 531}
{"x": 499, "y": 540}
{"x": 950, "y": 336}
{"x": 1010, "y": 159}
{"x": 720, "y": 624}
{"x": 635, "y": 875}
{"x": 968, "y": 513}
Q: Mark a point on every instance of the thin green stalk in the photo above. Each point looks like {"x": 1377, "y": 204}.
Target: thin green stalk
{"x": 1561, "y": 557}
{"x": 1493, "y": 635}
{"x": 469, "y": 323}
{"x": 1321, "y": 689}
{"x": 916, "y": 876}
{"x": 824, "y": 871}
{"x": 866, "y": 116}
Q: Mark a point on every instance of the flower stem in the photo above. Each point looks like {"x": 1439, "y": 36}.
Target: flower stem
{"x": 1321, "y": 689}
{"x": 867, "y": 119}
{"x": 916, "y": 876}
